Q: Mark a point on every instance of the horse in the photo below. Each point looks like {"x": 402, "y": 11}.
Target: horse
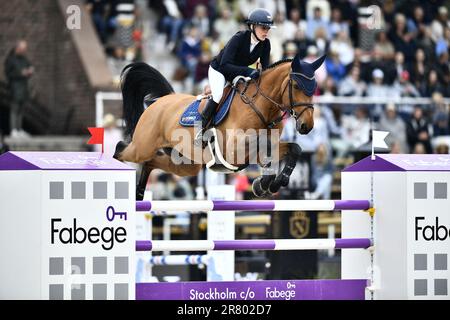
{"x": 152, "y": 110}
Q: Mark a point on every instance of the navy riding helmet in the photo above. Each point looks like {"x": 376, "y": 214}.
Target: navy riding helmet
{"x": 260, "y": 17}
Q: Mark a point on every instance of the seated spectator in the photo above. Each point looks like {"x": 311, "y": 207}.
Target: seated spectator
{"x": 416, "y": 24}
{"x": 302, "y": 43}
{"x": 419, "y": 71}
{"x": 443, "y": 71}
{"x": 355, "y": 131}
{"x": 433, "y": 85}
{"x": 395, "y": 148}
{"x": 321, "y": 42}
{"x": 377, "y": 89}
{"x": 289, "y": 50}
{"x": 352, "y": 85}
{"x": 427, "y": 45}
{"x": 419, "y": 148}
{"x": 190, "y": 50}
{"x": 314, "y": 23}
{"x": 442, "y": 148}
{"x": 401, "y": 39}
{"x": 391, "y": 122}
{"x": 377, "y": 62}
{"x": 329, "y": 88}
{"x": 293, "y": 24}
{"x": 440, "y": 124}
{"x": 322, "y": 174}
{"x": 419, "y": 130}
{"x": 336, "y": 25}
{"x": 400, "y": 66}
{"x": 344, "y": 48}
{"x": 404, "y": 88}
{"x": 225, "y": 26}
{"x": 384, "y": 46}
{"x": 200, "y": 20}
{"x": 335, "y": 69}
{"x": 356, "y": 128}
{"x": 439, "y": 23}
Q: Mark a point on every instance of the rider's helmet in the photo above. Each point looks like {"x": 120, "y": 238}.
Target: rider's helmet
{"x": 260, "y": 17}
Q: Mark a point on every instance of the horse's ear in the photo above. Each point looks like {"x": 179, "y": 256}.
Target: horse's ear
{"x": 316, "y": 64}
{"x": 295, "y": 64}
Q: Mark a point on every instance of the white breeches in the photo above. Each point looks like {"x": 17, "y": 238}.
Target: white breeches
{"x": 217, "y": 83}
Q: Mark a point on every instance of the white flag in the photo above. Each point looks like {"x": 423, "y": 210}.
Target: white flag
{"x": 378, "y": 141}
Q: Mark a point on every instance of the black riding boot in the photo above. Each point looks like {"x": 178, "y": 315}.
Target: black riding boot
{"x": 207, "y": 115}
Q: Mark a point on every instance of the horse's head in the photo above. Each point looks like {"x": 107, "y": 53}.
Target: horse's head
{"x": 301, "y": 86}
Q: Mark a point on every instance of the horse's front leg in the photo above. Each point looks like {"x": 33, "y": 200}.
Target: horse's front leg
{"x": 290, "y": 152}
{"x": 268, "y": 158}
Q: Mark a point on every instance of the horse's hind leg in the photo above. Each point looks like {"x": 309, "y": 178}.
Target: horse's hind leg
{"x": 142, "y": 184}
{"x": 131, "y": 153}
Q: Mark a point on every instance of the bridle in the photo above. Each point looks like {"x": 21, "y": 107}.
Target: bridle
{"x": 283, "y": 108}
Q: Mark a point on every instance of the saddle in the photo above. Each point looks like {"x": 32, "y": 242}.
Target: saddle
{"x": 193, "y": 111}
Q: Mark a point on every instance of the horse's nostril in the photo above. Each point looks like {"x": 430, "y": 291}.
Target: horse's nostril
{"x": 303, "y": 127}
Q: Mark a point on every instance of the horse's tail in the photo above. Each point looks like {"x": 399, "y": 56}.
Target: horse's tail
{"x": 140, "y": 81}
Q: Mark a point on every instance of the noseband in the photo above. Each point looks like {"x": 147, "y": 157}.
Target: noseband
{"x": 283, "y": 108}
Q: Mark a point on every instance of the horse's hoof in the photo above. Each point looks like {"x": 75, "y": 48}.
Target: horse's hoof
{"x": 284, "y": 180}
{"x": 120, "y": 146}
{"x": 257, "y": 188}
{"x": 275, "y": 186}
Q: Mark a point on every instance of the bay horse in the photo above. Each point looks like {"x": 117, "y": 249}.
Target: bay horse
{"x": 284, "y": 88}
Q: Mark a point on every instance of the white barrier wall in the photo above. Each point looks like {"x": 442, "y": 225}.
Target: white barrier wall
{"x": 67, "y": 226}
{"x": 411, "y": 255}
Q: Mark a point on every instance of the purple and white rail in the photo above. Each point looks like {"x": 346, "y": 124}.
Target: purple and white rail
{"x": 252, "y": 205}
{"x": 181, "y": 259}
{"x": 268, "y": 244}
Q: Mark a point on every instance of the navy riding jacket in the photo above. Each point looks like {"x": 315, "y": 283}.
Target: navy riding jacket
{"x": 235, "y": 57}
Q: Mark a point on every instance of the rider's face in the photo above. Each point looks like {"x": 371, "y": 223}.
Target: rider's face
{"x": 261, "y": 32}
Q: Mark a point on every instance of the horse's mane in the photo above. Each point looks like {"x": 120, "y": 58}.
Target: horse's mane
{"x": 275, "y": 64}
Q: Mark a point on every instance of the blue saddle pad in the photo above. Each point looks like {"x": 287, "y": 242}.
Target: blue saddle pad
{"x": 191, "y": 114}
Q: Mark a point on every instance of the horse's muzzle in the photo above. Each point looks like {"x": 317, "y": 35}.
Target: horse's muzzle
{"x": 303, "y": 128}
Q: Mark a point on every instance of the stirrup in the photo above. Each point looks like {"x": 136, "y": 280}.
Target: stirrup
{"x": 198, "y": 139}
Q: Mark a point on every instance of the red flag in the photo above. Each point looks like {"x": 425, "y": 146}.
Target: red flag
{"x": 97, "y": 136}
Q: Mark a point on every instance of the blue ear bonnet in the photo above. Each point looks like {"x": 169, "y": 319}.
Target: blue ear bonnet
{"x": 303, "y": 74}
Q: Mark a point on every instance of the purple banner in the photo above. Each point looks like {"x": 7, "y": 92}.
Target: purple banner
{"x": 254, "y": 290}
{"x": 20, "y": 160}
